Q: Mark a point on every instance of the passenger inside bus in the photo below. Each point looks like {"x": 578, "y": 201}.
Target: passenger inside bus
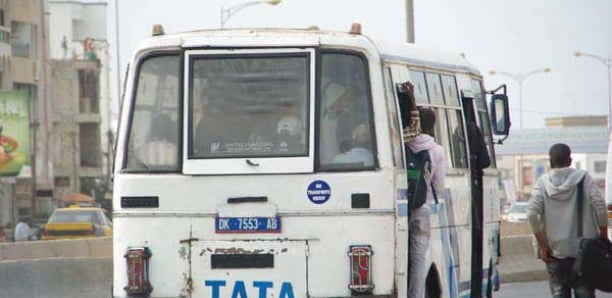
{"x": 290, "y": 130}
{"x": 344, "y": 102}
{"x": 210, "y": 129}
{"x": 359, "y": 148}
{"x": 161, "y": 148}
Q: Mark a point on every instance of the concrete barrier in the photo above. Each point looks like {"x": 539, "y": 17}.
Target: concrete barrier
{"x": 56, "y": 268}
{"x": 83, "y": 268}
{"x": 56, "y": 278}
{"x": 92, "y": 247}
{"x": 518, "y": 262}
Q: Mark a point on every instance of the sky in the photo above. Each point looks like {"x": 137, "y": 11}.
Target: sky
{"x": 511, "y": 36}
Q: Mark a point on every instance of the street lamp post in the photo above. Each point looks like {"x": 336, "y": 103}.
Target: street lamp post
{"x": 608, "y": 63}
{"x": 410, "y": 21}
{"x": 519, "y": 79}
{"x": 227, "y": 13}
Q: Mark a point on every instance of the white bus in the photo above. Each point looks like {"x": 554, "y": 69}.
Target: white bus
{"x": 269, "y": 163}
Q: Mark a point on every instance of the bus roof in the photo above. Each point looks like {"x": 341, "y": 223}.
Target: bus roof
{"x": 258, "y": 37}
{"x": 427, "y": 57}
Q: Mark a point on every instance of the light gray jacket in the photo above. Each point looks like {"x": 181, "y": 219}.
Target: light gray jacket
{"x": 552, "y": 208}
{"x": 438, "y": 161}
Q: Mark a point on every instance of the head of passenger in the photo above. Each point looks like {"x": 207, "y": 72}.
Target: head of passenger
{"x": 428, "y": 121}
{"x": 361, "y": 137}
{"x": 560, "y": 156}
{"x": 163, "y": 129}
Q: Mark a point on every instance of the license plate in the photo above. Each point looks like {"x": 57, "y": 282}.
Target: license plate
{"x": 247, "y": 225}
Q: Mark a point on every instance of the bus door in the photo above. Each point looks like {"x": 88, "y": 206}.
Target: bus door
{"x": 450, "y": 223}
{"x": 490, "y": 191}
{"x": 483, "y": 188}
{"x": 450, "y": 228}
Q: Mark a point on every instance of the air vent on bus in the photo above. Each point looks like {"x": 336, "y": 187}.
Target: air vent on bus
{"x": 140, "y": 202}
{"x": 360, "y": 200}
{"x": 247, "y": 200}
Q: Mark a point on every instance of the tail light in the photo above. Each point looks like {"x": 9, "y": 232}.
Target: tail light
{"x": 137, "y": 259}
{"x": 361, "y": 268}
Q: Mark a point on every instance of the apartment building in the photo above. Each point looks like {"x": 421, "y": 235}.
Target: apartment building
{"x": 26, "y": 181}
{"x": 78, "y": 49}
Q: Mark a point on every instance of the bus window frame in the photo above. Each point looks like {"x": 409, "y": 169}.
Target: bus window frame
{"x": 191, "y": 125}
{"x": 393, "y": 112}
{"x": 480, "y": 109}
{"x": 443, "y": 135}
{"x": 454, "y": 106}
{"x": 370, "y": 107}
{"x": 249, "y": 165}
{"x": 421, "y": 73}
{"x": 132, "y": 107}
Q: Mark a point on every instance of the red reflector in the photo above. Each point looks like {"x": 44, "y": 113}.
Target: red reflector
{"x": 361, "y": 268}
{"x": 137, "y": 259}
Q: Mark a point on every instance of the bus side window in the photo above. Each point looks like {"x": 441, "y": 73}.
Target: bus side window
{"x": 394, "y": 119}
{"x": 346, "y": 131}
{"x": 455, "y": 122}
{"x": 154, "y": 127}
{"x": 483, "y": 118}
{"x": 420, "y": 88}
{"x": 434, "y": 90}
{"x": 442, "y": 132}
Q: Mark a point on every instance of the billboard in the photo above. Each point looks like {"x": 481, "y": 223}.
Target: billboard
{"x": 15, "y": 134}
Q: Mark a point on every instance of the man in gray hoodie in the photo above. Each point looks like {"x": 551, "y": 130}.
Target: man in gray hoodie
{"x": 553, "y": 218}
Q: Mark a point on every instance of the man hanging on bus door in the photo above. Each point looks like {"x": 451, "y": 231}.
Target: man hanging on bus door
{"x": 479, "y": 160}
{"x": 419, "y": 226}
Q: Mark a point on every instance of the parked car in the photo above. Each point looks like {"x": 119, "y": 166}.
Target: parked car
{"x": 518, "y": 212}
{"x": 77, "y": 222}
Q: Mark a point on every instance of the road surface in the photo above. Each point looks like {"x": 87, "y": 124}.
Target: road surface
{"x": 537, "y": 289}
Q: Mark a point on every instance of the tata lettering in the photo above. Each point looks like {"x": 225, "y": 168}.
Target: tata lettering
{"x": 239, "y": 289}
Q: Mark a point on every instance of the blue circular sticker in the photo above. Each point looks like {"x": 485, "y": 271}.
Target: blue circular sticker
{"x": 318, "y": 192}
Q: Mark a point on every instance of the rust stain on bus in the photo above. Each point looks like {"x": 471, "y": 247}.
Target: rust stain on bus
{"x": 241, "y": 251}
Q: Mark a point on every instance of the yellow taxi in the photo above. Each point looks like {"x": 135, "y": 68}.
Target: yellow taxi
{"x": 77, "y": 222}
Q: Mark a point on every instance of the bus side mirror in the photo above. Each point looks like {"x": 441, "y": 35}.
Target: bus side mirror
{"x": 500, "y": 114}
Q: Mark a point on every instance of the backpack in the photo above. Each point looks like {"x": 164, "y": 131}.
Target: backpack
{"x": 418, "y": 170}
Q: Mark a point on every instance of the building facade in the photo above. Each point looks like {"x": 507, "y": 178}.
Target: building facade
{"x": 26, "y": 194}
{"x": 525, "y": 155}
{"x": 81, "y": 66}
{"x": 53, "y": 55}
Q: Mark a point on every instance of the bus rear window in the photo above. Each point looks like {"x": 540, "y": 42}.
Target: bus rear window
{"x": 250, "y": 105}
{"x": 346, "y": 130}
{"x": 154, "y": 128}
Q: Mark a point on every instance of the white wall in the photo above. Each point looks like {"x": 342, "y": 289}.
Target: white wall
{"x": 76, "y": 21}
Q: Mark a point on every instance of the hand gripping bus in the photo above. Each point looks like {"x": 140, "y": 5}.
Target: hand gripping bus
{"x": 269, "y": 163}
